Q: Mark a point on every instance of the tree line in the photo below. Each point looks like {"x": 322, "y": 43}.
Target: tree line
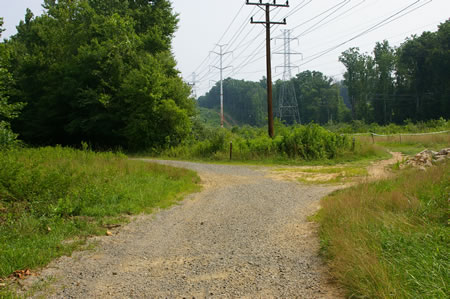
{"x": 99, "y": 71}
{"x": 411, "y": 82}
{"x": 318, "y": 99}
{"x": 390, "y": 85}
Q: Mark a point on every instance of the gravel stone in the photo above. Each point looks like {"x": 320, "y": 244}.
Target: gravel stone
{"x": 245, "y": 235}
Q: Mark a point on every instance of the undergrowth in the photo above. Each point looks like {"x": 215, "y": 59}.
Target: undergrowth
{"x": 294, "y": 145}
{"x": 358, "y": 126}
{"x": 51, "y": 199}
{"x": 389, "y": 239}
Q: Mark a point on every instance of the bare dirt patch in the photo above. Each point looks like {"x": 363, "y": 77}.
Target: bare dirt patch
{"x": 340, "y": 175}
{"x": 380, "y": 169}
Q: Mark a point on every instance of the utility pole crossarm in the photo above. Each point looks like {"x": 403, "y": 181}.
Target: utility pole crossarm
{"x": 269, "y": 4}
{"x": 221, "y": 53}
{"x": 271, "y": 23}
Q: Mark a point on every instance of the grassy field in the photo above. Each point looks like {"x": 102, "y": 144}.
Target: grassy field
{"x": 389, "y": 239}
{"x": 409, "y": 144}
{"x": 52, "y": 199}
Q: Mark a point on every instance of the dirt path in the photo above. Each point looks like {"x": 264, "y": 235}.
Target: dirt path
{"x": 378, "y": 170}
{"x": 342, "y": 175}
{"x": 243, "y": 236}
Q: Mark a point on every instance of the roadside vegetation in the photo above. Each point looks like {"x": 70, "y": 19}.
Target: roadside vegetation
{"x": 52, "y": 199}
{"x": 297, "y": 144}
{"x": 389, "y": 239}
{"x": 412, "y": 145}
{"x": 408, "y": 126}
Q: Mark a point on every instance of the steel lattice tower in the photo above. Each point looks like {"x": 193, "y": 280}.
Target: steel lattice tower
{"x": 287, "y": 99}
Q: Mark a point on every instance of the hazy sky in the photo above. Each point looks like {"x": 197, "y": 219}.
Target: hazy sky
{"x": 320, "y": 25}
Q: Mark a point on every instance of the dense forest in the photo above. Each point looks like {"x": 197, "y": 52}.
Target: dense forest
{"x": 99, "y": 71}
{"x": 411, "y": 82}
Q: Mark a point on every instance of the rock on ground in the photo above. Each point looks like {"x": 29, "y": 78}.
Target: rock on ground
{"x": 427, "y": 158}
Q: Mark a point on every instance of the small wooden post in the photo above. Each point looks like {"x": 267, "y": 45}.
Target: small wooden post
{"x": 353, "y": 144}
{"x": 231, "y": 150}
{"x": 400, "y": 137}
{"x": 373, "y": 139}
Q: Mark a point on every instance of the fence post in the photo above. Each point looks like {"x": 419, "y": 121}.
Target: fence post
{"x": 231, "y": 150}
{"x": 400, "y": 137}
{"x": 373, "y": 139}
{"x": 353, "y": 144}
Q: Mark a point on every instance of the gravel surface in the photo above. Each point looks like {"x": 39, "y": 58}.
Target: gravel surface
{"x": 245, "y": 235}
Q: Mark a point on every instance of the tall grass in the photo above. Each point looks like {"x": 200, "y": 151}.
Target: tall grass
{"x": 389, "y": 239}
{"x": 409, "y": 144}
{"x": 358, "y": 126}
{"x": 50, "y": 195}
{"x": 292, "y": 144}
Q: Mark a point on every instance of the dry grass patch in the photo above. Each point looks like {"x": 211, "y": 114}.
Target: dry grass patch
{"x": 322, "y": 175}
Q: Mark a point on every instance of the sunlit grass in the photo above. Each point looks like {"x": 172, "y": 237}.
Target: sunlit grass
{"x": 51, "y": 195}
{"x": 409, "y": 145}
{"x": 389, "y": 239}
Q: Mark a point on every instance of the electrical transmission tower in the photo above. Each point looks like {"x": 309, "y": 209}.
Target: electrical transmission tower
{"x": 267, "y": 6}
{"x": 193, "y": 84}
{"x": 221, "y": 68}
{"x": 287, "y": 99}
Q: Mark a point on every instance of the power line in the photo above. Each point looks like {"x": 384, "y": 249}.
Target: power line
{"x": 254, "y": 53}
{"x": 239, "y": 40}
{"x": 370, "y": 29}
{"x": 249, "y": 61}
{"x": 223, "y": 35}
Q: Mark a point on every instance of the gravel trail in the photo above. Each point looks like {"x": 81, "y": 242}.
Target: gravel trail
{"x": 244, "y": 236}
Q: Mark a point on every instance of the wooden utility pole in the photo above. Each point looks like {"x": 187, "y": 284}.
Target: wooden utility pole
{"x": 268, "y": 23}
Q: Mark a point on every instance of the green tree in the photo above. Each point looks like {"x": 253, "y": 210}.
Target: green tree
{"x": 8, "y": 111}
{"x": 103, "y": 72}
{"x": 318, "y": 98}
{"x": 360, "y": 79}
{"x": 244, "y": 101}
{"x": 384, "y": 67}
{"x": 422, "y": 75}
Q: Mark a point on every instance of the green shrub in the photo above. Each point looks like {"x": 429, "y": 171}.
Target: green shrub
{"x": 8, "y": 138}
{"x": 308, "y": 142}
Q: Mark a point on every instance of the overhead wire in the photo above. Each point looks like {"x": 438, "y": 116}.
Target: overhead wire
{"x": 370, "y": 29}
{"x": 249, "y": 61}
{"x": 244, "y": 46}
{"x": 254, "y": 53}
{"x": 223, "y": 35}
{"x": 234, "y": 38}
{"x": 331, "y": 20}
